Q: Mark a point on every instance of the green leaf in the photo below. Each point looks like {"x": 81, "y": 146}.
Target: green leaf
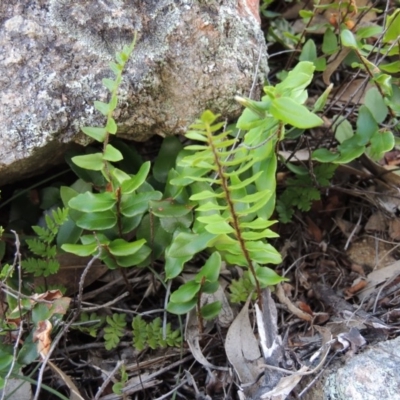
{"x": 68, "y": 233}
{"x": 81, "y": 250}
{"x": 97, "y": 133}
{"x": 255, "y": 207}
{"x": 253, "y": 197}
{"x": 181, "y": 308}
{"x": 136, "y": 204}
{"x": 112, "y": 154}
{"x": 119, "y": 175}
{"x": 365, "y": 32}
{"x": 41, "y": 312}
{"x": 391, "y": 68}
{"x": 290, "y": 112}
{"x": 174, "y": 224}
{"x": 309, "y": 51}
{"x": 111, "y": 126}
{"x": 349, "y": 150}
{"x": 324, "y": 155}
{"x": 329, "y": 42}
{"x": 366, "y": 126}
{"x": 376, "y": 104}
{"x": 205, "y": 195}
{"x": 267, "y": 233}
{"x": 89, "y": 202}
{"x": 263, "y": 253}
{"x": 258, "y": 223}
{"x": 385, "y": 82}
{"x": 297, "y": 169}
{"x": 116, "y": 68}
{"x": 166, "y": 158}
{"x": 110, "y": 84}
{"x": 104, "y": 108}
{"x": 392, "y": 27}
{"x": 320, "y": 65}
{"x": 174, "y": 266}
{"x": 131, "y": 185}
{"x": 381, "y": 143}
{"x": 210, "y": 207}
{"x": 169, "y": 208}
{"x": 99, "y": 220}
{"x": 343, "y": 130}
{"x": 189, "y": 244}
{"x": 219, "y": 228}
{"x": 296, "y": 81}
{"x": 134, "y": 259}
{"x": 94, "y": 177}
{"x": 210, "y": 311}
{"x": 348, "y": 39}
{"x": 210, "y": 287}
{"x": 5, "y": 361}
{"x": 92, "y": 162}
{"x": 186, "y": 292}
{"x": 210, "y": 270}
{"x": 28, "y": 353}
{"x": 198, "y": 136}
{"x": 120, "y": 247}
{"x": 268, "y": 277}
{"x": 306, "y": 14}
{"x": 323, "y": 99}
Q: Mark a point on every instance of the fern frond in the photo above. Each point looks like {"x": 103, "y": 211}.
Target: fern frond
{"x": 226, "y": 194}
{"x": 114, "y": 331}
{"x": 37, "y": 247}
{"x": 40, "y": 267}
{"x": 151, "y": 334}
{"x": 60, "y": 215}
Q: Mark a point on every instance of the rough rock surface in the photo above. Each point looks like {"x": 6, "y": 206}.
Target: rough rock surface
{"x": 370, "y": 375}
{"x": 190, "y": 55}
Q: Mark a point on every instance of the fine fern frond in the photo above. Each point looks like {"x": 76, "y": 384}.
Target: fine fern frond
{"x": 45, "y": 264}
{"x": 151, "y": 334}
{"x": 114, "y": 330}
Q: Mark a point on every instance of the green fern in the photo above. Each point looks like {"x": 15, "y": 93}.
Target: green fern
{"x": 151, "y": 334}
{"x": 230, "y": 212}
{"x": 240, "y": 289}
{"x": 114, "y": 331}
{"x": 44, "y": 263}
{"x": 301, "y": 191}
{"x": 89, "y": 323}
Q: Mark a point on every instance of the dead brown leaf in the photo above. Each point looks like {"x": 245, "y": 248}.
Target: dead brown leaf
{"x": 242, "y": 348}
{"x": 74, "y": 392}
{"x": 333, "y": 65}
{"x": 304, "y": 307}
{"x": 358, "y": 285}
{"x": 42, "y": 336}
{"x": 313, "y": 230}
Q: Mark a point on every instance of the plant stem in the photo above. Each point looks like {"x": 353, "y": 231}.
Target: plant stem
{"x": 235, "y": 218}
